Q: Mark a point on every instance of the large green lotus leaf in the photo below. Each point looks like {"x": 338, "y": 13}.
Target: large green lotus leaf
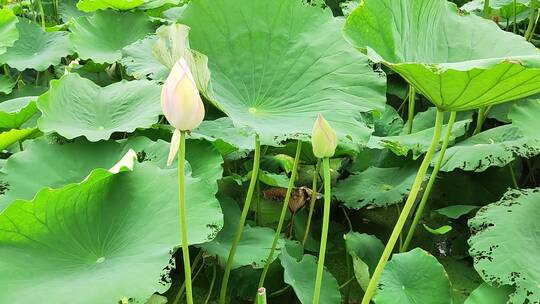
{"x": 154, "y": 56}
{"x": 8, "y": 29}
{"x": 505, "y": 244}
{"x": 6, "y": 84}
{"x": 300, "y": 273}
{"x": 139, "y": 61}
{"x": 253, "y": 247}
{"x": 486, "y": 293}
{"x": 36, "y": 49}
{"x": 277, "y": 64}
{"x": 445, "y": 54}
{"x": 102, "y": 36}
{"x": 172, "y": 44}
{"x": 75, "y": 106}
{"x": 524, "y": 116}
{"x": 109, "y": 237}
{"x": 418, "y": 141}
{"x": 379, "y": 187}
{"x": 413, "y": 277}
{"x": 40, "y": 160}
{"x": 94, "y": 5}
{"x": 495, "y": 147}
{"x": 14, "y": 112}
{"x": 226, "y": 137}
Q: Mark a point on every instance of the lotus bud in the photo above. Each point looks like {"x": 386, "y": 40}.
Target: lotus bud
{"x": 323, "y": 138}
{"x": 180, "y": 99}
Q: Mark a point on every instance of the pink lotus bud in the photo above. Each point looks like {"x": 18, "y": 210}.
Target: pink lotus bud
{"x": 323, "y": 138}
{"x": 180, "y": 99}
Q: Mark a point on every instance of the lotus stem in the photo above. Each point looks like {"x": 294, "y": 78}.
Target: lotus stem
{"x": 370, "y": 290}
{"x": 487, "y": 9}
{"x": 212, "y": 282}
{"x": 430, "y": 183}
{"x": 183, "y": 220}
{"x": 282, "y": 215}
{"x": 324, "y": 233}
{"x": 513, "y": 176}
{"x": 241, "y": 222}
{"x": 482, "y": 112}
{"x": 312, "y": 200}
{"x": 410, "y": 115}
{"x": 514, "y": 12}
{"x": 261, "y": 295}
{"x": 532, "y": 18}
{"x": 42, "y": 13}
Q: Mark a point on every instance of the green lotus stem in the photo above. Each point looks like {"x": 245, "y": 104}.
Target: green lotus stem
{"x": 212, "y": 282}
{"x": 370, "y": 290}
{"x": 514, "y": 9}
{"x": 282, "y": 215}
{"x": 513, "y": 176}
{"x": 532, "y": 18}
{"x": 410, "y": 115}
{"x": 241, "y": 222}
{"x": 42, "y": 13}
{"x": 324, "y": 233}
{"x": 487, "y": 9}
{"x": 482, "y": 112}
{"x": 7, "y": 72}
{"x": 535, "y": 24}
{"x": 183, "y": 220}
{"x": 261, "y": 295}
{"x": 312, "y": 200}
{"x": 430, "y": 183}
{"x": 182, "y": 288}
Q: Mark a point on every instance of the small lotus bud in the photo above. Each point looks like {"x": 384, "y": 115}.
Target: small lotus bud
{"x": 180, "y": 99}
{"x": 323, "y": 138}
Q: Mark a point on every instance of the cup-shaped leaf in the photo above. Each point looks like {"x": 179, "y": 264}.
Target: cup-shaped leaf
{"x": 458, "y": 61}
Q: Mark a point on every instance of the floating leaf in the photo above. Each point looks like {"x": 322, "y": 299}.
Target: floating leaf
{"x": 445, "y": 54}
{"x": 413, "y": 277}
{"x": 93, "y": 37}
{"x": 253, "y": 247}
{"x": 36, "y": 49}
{"x": 438, "y": 231}
{"x": 376, "y": 186}
{"x": 489, "y": 294}
{"x": 14, "y": 112}
{"x": 505, "y": 244}
{"x": 8, "y": 29}
{"x": 456, "y": 211}
{"x": 112, "y": 233}
{"x": 75, "y": 106}
{"x": 94, "y": 5}
{"x": 300, "y": 273}
{"x": 495, "y": 147}
{"x": 292, "y": 66}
